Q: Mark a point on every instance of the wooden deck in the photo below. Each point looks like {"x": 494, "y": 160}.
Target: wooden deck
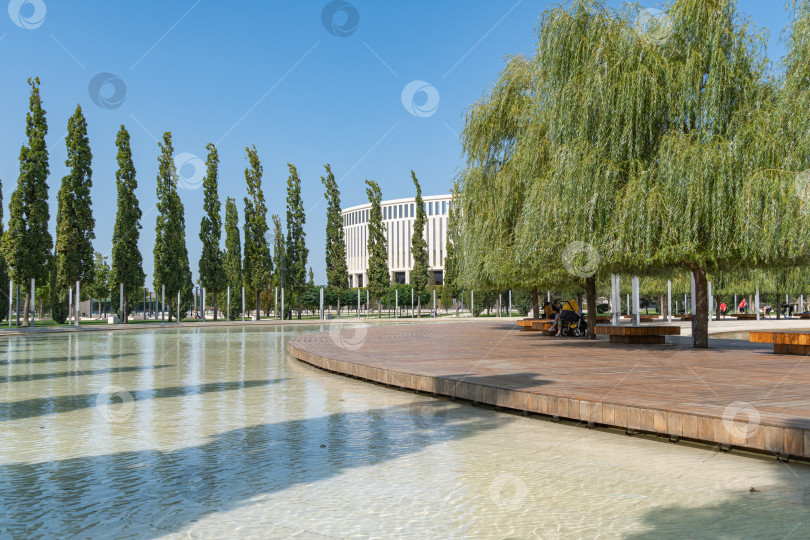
{"x": 736, "y": 394}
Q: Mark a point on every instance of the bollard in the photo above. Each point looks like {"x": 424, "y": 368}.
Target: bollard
{"x": 33, "y": 300}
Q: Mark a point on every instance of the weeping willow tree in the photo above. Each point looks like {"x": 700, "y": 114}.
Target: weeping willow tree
{"x": 650, "y": 147}
{"x": 723, "y": 191}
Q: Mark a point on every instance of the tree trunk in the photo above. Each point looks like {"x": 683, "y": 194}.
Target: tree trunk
{"x": 26, "y": 306}
{"x": 258, "y": 306}
{"x": 536, "y": 304}
{"x": 215, "y": 306}
{"x": 778, "y": 307}
{"x": 170, "y": 310}
{"x": 299, "y": 306}
{"x": 338, "y": 304}
{"x": 419, "y": 306}
{"x": 700, "y": 319}
{"x": 590, "y": 297}
{"x": 379, "y": 308}
{"x": 660, "y": 305}
{"x": 125, "y": 310}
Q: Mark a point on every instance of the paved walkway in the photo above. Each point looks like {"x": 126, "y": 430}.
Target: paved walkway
{"x": 735, "y": 393}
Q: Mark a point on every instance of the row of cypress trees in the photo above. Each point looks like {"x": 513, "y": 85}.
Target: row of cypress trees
{"x": 29, "y": 252}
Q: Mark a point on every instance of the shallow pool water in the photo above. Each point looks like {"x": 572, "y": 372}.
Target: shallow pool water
{"x": 217, "y": 433}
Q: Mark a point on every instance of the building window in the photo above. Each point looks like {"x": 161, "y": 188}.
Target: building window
{"x": 399, "y": 277}
{"x": 444, "y": 207}
{"x": 441, "y": 244}
{"x": 438, "y": 276}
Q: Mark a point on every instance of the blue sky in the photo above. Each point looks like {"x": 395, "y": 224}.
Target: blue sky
{"x": 269, "y": 73}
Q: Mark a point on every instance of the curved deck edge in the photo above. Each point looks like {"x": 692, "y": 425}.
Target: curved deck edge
{"x": 782, "y": 442}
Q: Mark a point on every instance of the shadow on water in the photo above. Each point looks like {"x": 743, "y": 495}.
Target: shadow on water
{"x": 49, "y": 359}
{"x": 149, "y": 493}
{"x": 29, "y": 408}
{"x": 742, "y": 516}
{"x": 39, "y": 376}
{"x": 779, "y": 510}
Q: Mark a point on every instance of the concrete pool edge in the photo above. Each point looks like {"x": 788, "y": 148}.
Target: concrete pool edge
{"x": 784, "y": 442}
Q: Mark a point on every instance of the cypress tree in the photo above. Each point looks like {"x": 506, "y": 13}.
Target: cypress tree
{"x": 258, "y": 266}
{"x": 232, "y": 258}
{"x": 337, "y": 273}
{"x": 27, "y": 244}
{"x": 100, "y": 287}
{"x": 420, "y": 273}
{"x": 278, "y": 249}
{"x": 297, "y": 252}
{"x": 127, "y": 262}
{"x": 3, "y": 267}
{"x": 171, "y": 255}
{"x": 378, "y": 277}
{"x": 57, "y": 294}
{"x": 74, "y": 218}
{"x": 451, "y": 286}
{"x": 212, "y": 276}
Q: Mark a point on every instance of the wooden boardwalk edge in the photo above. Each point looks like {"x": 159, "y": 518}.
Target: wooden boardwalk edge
{"x": 774, "y": 439}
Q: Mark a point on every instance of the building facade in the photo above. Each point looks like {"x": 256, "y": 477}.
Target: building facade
{"x": 398, "y": 218}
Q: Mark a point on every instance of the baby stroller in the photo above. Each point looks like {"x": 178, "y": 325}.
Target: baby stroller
{"x": 571, "y": 322}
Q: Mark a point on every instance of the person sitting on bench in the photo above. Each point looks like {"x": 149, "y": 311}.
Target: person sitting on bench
{"x": 568, "y": 314}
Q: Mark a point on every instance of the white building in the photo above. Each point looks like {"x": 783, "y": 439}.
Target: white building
{"x": 398, "y": 219}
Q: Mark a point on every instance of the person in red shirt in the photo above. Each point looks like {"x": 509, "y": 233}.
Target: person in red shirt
{"x": 743, "y": 304}
{"x": 723, "y": 308}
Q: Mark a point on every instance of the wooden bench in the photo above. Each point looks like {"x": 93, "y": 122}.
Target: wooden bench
{"x": 603, "y": 318}
{"x": 784, "y": 342}
{"x": 803, "y": 315}
{"x": 682, "y": 317}
{"x": 744, "y": 316}
{"x": 638, "y": 335}
{"x": 542, "y": 325}
{"x": 642, "y": 318}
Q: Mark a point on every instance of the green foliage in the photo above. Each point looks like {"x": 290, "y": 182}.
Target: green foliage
{"x": 26, "y": 244}
{"x": 170, "y": 253}
{"x": 311, "y": 298}
{"x": 102, "y": 283}
{"x": 337, "y": 273}
{"x": 452, "y": 286}
{"x": 522, "y": 301}
{"x": 212, "y": 272}
{"x": 421, "y": 269}
{"x": 278, "y": 250}
{"x": 665, "y": 147}
{"x": 57, "y": 294}
{"x": 74, "y": 218}
{"x": 232, "y": 258}
{"x": 127, "y": 262}
{"x": 3, "y": 268}
{"x": 378, "y": 277}
{"x": 257, "y": 267}
{"x": 297, "y": 252}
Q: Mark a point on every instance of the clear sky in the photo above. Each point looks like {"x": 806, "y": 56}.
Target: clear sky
{"x": 376, "y": 88}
